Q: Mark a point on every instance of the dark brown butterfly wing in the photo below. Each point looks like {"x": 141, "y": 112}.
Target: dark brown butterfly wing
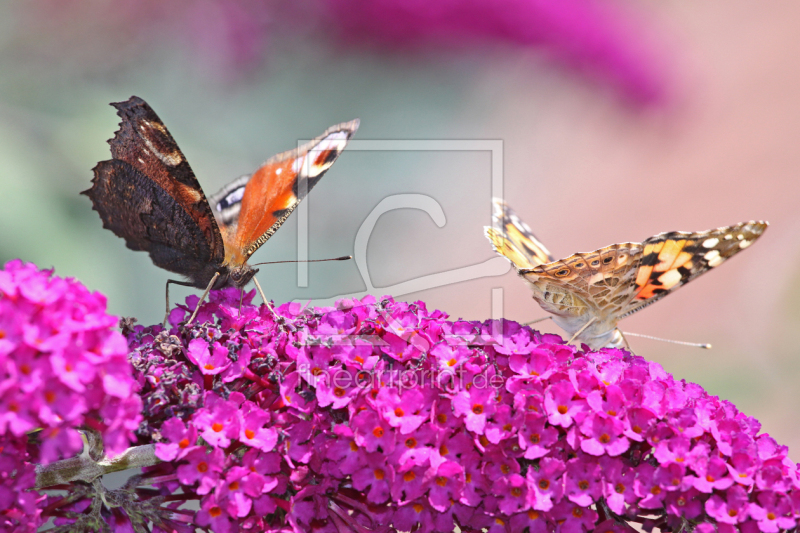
{"x": 148, "y": 195}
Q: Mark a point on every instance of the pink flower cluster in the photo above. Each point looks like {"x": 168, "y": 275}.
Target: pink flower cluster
{"x": 62, "y": 366}
{"x": 384, "y": 416}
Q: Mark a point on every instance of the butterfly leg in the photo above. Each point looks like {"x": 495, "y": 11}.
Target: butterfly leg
{"x": 185, "y": 284}
{"x": 266, "y": 302}
{"x": 627, "y": 346}
{"x": 581, "y": 330}
{"x": 199, "y": 303}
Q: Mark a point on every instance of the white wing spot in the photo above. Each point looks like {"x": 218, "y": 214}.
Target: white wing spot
{"x": 279, "y": 171}
{"x": 670, "y": 278}
{"x": 713, "y": 258}
{"x": 141, "y": 160}
{"x": 740, "y": 236}
{"x": 297, "y": 164}
{"x": 710, "y": 243}
{"x": 728, "y": 237}
{"x": 744, "y": 244}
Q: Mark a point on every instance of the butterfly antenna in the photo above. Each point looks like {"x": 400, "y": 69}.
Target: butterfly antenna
{"x": 343, "y": 258}
{"x": 261, "y": 291}
{"x": 537, "y": 320}
{"x": 705, "y": 346}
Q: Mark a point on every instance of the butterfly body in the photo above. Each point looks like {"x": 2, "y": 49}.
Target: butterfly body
{"x": 592, "y": 291}
{"x": 589, "y": 293}
{"x": 148, "y": 195}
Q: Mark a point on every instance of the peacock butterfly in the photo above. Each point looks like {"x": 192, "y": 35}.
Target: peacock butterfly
{"x": 148, "y": 195}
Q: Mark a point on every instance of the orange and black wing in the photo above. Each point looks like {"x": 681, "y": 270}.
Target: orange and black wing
{"x": 670, "y": 260}
{"x": 252, "y": 208}
{"x": 148, "y": 195}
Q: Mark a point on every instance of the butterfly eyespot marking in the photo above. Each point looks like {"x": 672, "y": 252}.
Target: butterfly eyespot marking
{"x": 325, "y": 156}
{"x": 561, "y": 273}
{"x": 235, "y": 196}
{"x": 579, "y": 265}
{"x": 595, "y": 263}
{"x": 607, "y": 260}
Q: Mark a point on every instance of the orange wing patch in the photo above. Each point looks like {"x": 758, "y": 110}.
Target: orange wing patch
{"x": 251, "y": 216}
{"x": 663, "y": 268}
{"x": 670, "y": 260}
{"x": 267, "y": 195}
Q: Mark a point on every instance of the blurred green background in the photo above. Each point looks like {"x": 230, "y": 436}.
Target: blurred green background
{"x": 619, "y": 120}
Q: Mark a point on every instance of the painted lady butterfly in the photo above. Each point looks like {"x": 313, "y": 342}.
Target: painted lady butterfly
{"x": 588, "y": 293}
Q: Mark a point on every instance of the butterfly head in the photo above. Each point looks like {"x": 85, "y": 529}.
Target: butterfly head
{"x": 241, "y": 275}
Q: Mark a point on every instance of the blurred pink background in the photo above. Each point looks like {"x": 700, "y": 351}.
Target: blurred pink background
{"x": 619, "y": 120}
